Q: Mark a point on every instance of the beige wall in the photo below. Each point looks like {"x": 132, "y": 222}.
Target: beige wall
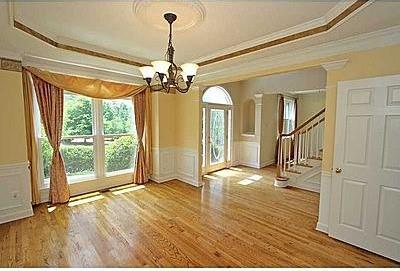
{"x": 187, "y": 120}
{"x": 371, "y": 63}
{"x": 268, "y": 127}
{"x": 309, "y": 104}
{"x": 163, "y": 120}
{"x": 12, "y": 122}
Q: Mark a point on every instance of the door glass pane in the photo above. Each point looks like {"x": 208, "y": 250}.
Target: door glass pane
{"x": 217, "y": 136}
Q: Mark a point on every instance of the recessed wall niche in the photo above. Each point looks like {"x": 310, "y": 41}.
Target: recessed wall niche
{"x": 248, "y": 117}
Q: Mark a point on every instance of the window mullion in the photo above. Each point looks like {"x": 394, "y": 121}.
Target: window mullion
{"x": 99, "y": 150}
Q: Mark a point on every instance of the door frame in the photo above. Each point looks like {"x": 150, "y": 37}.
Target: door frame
{"x": 228, "y": 142}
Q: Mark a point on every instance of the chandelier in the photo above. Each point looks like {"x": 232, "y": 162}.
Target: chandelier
{"x": 165, "y": 72}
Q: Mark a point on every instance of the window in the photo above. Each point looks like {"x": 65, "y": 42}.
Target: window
{"x": 99, "y": 138}
{"x": 216, "y": 95}
{"x": 289, "y": 115}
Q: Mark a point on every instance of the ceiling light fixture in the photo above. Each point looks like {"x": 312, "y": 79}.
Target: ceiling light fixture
{"x": 165, "y": 72}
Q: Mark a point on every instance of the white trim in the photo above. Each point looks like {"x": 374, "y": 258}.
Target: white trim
{"x": 173, "y": 163}
{"x": 267, "y": 163}
{"x": 324, "y": 201}
{"x": 366, "y": 41}
{"x": 331, "y": 14}
{"x": 88, "y": 186}
{"x": 309, "y": 91}
{"x": 334, "y": 65}
{"x": 15, "y": 193}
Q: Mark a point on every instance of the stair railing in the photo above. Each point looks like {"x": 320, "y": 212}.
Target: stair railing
{"x": 297, "y": 147}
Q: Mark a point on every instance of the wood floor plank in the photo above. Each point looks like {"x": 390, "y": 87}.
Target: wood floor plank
{"x": 226, "y": 223}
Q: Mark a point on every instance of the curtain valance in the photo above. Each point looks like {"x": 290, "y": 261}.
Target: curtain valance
{"x": 90, "y": 87}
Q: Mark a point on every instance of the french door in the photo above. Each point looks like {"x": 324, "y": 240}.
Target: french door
{"x": 216, "y": 136}
{"x": 365, "y": 197}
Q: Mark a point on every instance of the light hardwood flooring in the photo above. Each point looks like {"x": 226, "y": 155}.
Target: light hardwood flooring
{"x": 237, "y": 219}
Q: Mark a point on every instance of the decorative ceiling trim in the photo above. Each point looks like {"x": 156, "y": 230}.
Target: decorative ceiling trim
{"x": 289, "y": 38}
{"x": 333, "y": 21}
{"x": 258, "y": 67}
{"x": 76, "y": 49}
{"x": 10, "y": 64}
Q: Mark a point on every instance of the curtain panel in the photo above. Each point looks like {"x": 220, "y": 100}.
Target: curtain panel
{"x": 51, "y": 104}
{"x": 89, "y": 87}
{"x": 93, "y": 88}
{"x": 30, "y": 135}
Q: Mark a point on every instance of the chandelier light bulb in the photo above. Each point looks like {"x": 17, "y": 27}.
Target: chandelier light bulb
{"x": 161, "y": 66}
{"x": 190, "y": 69}
{"x": 147, "y": 72}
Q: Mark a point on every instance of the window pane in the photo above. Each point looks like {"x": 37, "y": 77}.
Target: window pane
{"x": 118, "y": 117}
{"x": 78, "y": 156}
{"x": 78, "y": 117}
{"x": 47, "y": 153}
{"x": 120, "y": 152}
{"x": 216, "y": 95}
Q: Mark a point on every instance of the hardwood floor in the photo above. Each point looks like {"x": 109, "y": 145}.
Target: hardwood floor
{"x": 237, "y": 219}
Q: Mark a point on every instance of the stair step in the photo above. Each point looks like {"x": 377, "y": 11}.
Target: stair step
{"x": 293, "y": 171}
{"x": 304, "y": 165}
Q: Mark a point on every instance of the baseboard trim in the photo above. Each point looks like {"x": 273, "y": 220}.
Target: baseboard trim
{"x": 268, "y": 163}
{"x": 322, "y": 227}
{"x": 16, "y": 215}
{"x": 189, "y": 181}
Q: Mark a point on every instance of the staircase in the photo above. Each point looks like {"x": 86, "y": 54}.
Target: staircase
{"x": 300, "y": 155}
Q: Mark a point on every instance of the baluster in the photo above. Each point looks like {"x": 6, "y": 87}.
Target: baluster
{"x": 284, "y": 156}
{"x": 318, "y": 127}
{"x": 290, "y": 152}
{"x": 296, "y": 151}
{"x": 311, "y": 140}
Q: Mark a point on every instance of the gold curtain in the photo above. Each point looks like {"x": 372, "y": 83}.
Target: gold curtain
{"x": 51, "y": 104}
{"x": 30, "y": 135}
{"x": 90, "y": 87}
{"x": 148, "y": 134}
{"x": 139, "y": 102}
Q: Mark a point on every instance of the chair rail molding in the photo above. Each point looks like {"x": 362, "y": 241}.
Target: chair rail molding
{"x": 15, "y": 192}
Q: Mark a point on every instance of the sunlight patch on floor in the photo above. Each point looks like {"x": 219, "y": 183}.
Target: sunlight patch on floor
{"x": 225, "y": 173}
{"x": 256, "y": 177}
{"x": 245, "y": 182}
{"x": 211, "y": 177}
{"x": 51, "y": 208}
{"x": 85, "y": 200}
{"x": 128, "y": 189}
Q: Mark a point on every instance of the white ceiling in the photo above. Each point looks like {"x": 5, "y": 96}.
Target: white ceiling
{"x": 112, "y": 27}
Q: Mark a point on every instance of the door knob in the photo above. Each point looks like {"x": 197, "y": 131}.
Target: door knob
{"x": 338, "y": 170}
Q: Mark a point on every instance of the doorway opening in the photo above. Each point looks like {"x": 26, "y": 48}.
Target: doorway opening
{"x": 216, "y": 129}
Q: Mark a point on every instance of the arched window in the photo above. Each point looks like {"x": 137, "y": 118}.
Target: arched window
{"x": 217, "y": 95}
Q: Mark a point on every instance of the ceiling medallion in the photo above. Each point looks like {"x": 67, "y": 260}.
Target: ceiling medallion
{"x": 166, "y": 71}
{"x": 190, "y": 13}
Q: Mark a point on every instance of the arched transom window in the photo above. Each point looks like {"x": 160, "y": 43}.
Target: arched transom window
{"x": 217, "y": 95}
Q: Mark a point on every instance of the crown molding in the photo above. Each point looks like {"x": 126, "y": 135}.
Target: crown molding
{"x": 332, "y": 19}
{"x": 248, "y": 69}
{"x": 334, "y": 65}
{"x": 308, "y": 91}
{"x": 81, "y": 70}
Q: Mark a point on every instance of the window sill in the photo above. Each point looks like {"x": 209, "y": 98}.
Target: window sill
{"x": 89, "y": 183}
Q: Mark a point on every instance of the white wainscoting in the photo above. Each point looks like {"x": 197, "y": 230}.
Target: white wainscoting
{"x": 176, "y": 163}
{"x": 324, "y": 201}
{"x": 15, "y": 192}
{"x": 236, "y": 153}
{"x": 250, "y": 154}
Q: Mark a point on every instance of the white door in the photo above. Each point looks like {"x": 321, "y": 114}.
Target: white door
{"x": 365, "y": 195}
{"x": 216, "y": 137}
